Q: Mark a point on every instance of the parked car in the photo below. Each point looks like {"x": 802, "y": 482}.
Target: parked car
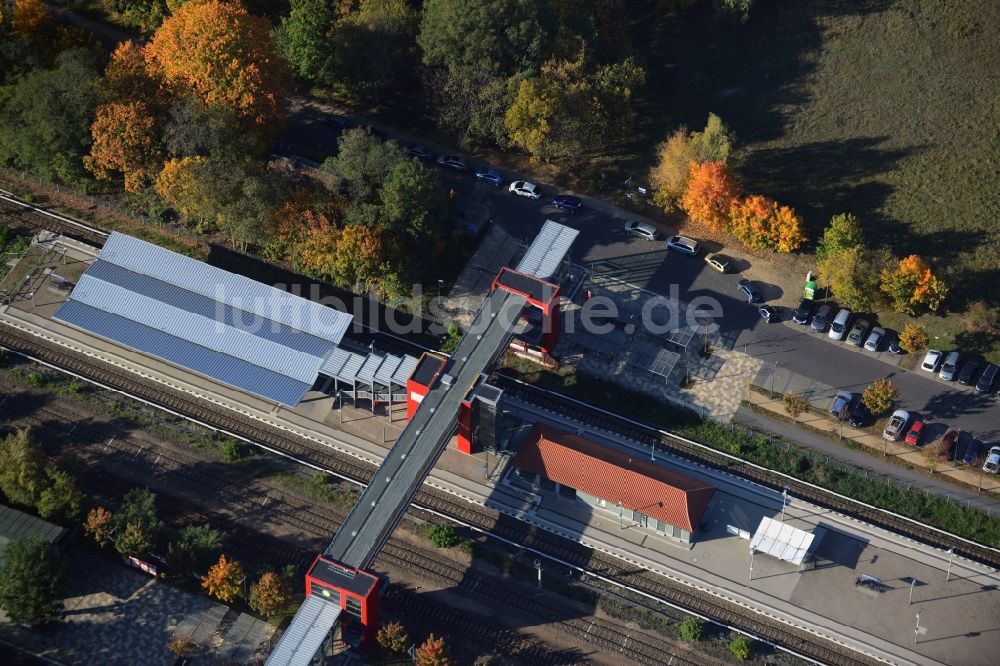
{"x": 992, "y": 460}
{"x": 683, "y": 244}
{"x": 950, "y": 366}
{"x": 915, "y": 433}
{"x": 969, "y": 371}
{"x": 896, "y": 426}
{"x": 947, "y": 445}
{"x": 822, "y": 318}
{"x": 492, "y": 176}
{"x": 875, "y": 338}
{"x": 841, "y": 405}
{"x": 572, "y": 204}
{"x": 453, "y": 162}
{"x": 643, "y": 230}
{"x": 987, "y": 379}
{"x": 525, "y": 189}
{"x": 719, "y": 262}
{"x": 801, "y": 315}
{"x": 747, "y": 288}
{"x": 894, "y": 347}
{"x": 768, "y": 313}
{"x": 972, "y": 452}
{"x": 859, "y": 415}
{"x": 931, "y": 360}
{"x": 839, "y": 325}
{"x": 857, "y": 332}
{"x": 420, "y": 152}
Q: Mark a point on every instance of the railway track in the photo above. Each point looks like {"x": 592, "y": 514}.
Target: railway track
{"x": 22, "y": 216}
{"x": 796, "y": 640}
{"x": 228, "y": 487}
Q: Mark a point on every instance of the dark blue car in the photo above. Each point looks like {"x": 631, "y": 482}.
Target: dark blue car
{"x": 572, "y": 204}
{"x": 490, "y": 176}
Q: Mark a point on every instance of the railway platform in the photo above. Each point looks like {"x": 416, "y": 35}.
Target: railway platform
{"x": 959, "y": 600}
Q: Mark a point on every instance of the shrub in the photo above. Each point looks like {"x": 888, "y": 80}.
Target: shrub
{"x": 232, "y": 450}
{"x": 181, "y": 645}
{"x": 467, "y": 546}
{"x": 692, "y": 629}
{"x": 913, "y": 338}
{"x": 442, "y": 536}
{"x": 795, "y": 403}
{"x": 740, "y": 647}
{"x": 393, "y": 637}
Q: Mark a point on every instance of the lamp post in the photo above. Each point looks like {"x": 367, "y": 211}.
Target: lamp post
{"x": 913, "y": 582}
{"x": 784, "y": 501}
{"x": 751, "y": 562}
{"x": 538, "y": 565}
{"x": 652, "y": 451}
{"x": 916, "y": 630}
{"x": 440, "y": 284}
{"x": 951, "y": 557}
{"x": 621, "y": 519}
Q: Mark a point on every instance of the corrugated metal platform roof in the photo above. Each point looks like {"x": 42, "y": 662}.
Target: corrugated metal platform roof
{"x": 547, "y": 250}
{"x": 615, "y": 476}
{"x": 303, "y": 638}
{"x": 227, "y": 327}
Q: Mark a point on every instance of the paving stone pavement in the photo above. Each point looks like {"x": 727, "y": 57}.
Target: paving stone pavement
{"x": 114, "y": 615}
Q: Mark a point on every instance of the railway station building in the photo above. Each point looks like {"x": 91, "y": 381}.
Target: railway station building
{"x": 646, "y": 495}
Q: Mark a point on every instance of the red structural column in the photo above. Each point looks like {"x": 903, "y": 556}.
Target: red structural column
{"x": 551, "y": 323}
{"x": 415, "y": 392}
{"x": 465, "y": 443}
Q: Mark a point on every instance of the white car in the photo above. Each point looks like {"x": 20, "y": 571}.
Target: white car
{"x": 525, "y": 189}
{"x": 932, "y": 360}
{"x": 641, "y": 229}
{"x": 992, "y": 460}
{"x": 839, "y": 326}
{"x": 949, "y": 366}
{"x": 896, "y": 426}
{"x": 875, "y": 338}
{"x": 683, "y": 244}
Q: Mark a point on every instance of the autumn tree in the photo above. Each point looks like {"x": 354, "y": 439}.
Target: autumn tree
{"x": 763, "y": 224}
{"x": 711, "y": 192}
{"x": 224, "y": 55}
{"x": 31, "y": 581}
{"x": 913, "y": 338}
{"x": 393, "y": 637}
{"x": 29, "y": 17}
{"x": 224, "y": 580}
{"x": 843, "y": 233}
{"x": 97, "y": 525}
{"x": 359, "y": 262}
{"x": 126, "y": 78}
{"x": 878, "y": 396}
{"x": 433, "y": 652}
{"x": 270, "y": 594}
{"x": 669, "y": 178}
{"x": 124, "y": 141}
{"x": 853, "y": 276}
{"x": 527, "y": 119}
{"x": 180, "y": 184}
{"x": 912, "y": 286}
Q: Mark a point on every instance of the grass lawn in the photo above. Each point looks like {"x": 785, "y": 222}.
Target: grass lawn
{"x": 884, "y": 109}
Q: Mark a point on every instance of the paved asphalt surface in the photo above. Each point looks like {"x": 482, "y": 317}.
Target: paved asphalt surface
{"x": 604, "y": 245}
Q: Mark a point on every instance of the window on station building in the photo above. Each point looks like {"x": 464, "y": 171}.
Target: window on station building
{"x": 662, "y": 526}
{"x": 354, "y": 606}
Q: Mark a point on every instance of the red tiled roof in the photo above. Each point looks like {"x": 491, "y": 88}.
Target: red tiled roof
{"x": 614, "y": 476}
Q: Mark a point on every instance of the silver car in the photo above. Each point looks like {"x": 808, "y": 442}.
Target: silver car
{"x": 683, "y": 244}
{"x": 949, "y": 367}
{"x": 641, "y": 229}
{"x": 875, "y": 338}
{"x": 992, "y": 460}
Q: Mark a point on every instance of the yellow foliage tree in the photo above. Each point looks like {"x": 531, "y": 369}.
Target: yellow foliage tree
{"x": 912, "y": 286}
{"x": 179, "y": 186}
{"x": 223, "y": 54}
{"x": 763, "y": 224}
{"x": 710, "y": 193}
{"x": 29, "y": 17}
{"x": 270, "y": 594}
{"x": 224, "y": 579}
{"x": 124, "y": 142}
{"x": 527, "y": 119}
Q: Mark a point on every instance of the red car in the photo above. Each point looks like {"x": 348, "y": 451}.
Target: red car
{"x": 915, "y": 433}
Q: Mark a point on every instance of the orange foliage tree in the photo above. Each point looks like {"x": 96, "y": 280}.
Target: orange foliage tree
{"x": 29, "y": 17}
{"x": 224, "y": 55}
{"x": 126, "y": 78}
{"x": 763, "y": 224}
{"x": 433, "y": 652}
{"x": 270, "y": 594}
{"x": 96, "y": 525}
{"x": 912, "y": 285}
{"x": 124, "y": 141}
{"x": 711, "y": 191}
{"x": 224, "y": 579}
